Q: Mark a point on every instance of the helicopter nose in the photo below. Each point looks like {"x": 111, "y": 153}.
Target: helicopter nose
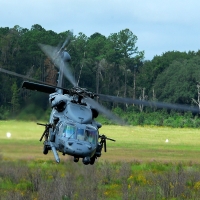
{"x": 89, "y": 147}
{"x": 78, "y": 148}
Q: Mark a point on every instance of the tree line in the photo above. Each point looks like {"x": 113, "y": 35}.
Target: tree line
{"x": 111, "y": 65}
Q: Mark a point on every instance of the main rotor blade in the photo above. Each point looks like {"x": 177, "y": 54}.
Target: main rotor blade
{"x": 180, "y": 107}
{"x": 105, "y": 111}
{"x": 19, "y": 75}
{"x": 36, "y": 85}
{"x": 54, "y": 55}
{"x": 67, "y": 41}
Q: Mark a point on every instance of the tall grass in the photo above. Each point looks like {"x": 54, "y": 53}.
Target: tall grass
{"x": 105, "y": 180}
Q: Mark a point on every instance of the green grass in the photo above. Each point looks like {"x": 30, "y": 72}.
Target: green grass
{"x": 132, "y": 143}
{"x": 152, "y": 168}
{"x": 148, "y": 143}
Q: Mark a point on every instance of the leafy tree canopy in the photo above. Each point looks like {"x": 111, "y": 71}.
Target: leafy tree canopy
{"x": 177, "y": 83}
{"x": 111, "y": 65}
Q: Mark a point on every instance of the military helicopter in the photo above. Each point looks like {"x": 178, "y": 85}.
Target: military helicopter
{"x": 72, "y": 128}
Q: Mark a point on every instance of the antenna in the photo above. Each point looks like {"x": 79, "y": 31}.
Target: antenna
{"x": 79, "y": 75}
{"x": 80, "y": 72}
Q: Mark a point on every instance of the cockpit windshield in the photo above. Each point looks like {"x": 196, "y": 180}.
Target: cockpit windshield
{"x": 87, "y": 134}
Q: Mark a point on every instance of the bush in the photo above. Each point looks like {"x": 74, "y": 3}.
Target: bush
{"x": 31, "y": 112}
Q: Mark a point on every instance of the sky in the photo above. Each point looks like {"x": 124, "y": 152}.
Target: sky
{"x": 160, "y": 25}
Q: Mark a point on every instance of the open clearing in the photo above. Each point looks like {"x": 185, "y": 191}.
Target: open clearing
{"x": 132, "y": 143}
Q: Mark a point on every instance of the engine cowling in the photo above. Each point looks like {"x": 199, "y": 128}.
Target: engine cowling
{"x": 78, "y": 113}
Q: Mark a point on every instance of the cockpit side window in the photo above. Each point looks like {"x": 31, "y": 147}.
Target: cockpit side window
{"x": 87, "y": 135}
{"x": 91, "y": 136}
{"x": 69, "y": 131}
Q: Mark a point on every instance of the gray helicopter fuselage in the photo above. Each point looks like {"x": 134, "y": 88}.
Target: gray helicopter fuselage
{"x": 75, "y": 132}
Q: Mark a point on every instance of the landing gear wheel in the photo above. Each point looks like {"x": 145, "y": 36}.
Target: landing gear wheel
{"x": 92, "y": 160}
{"x": 45, "y": 150}
{"x": 76, "y": 159}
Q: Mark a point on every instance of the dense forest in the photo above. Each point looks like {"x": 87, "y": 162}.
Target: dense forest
{"x": 111, "y": 65}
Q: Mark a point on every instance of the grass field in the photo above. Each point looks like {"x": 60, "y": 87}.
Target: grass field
{"x": 132, "y": 143}
{"x": 150, "y": 167}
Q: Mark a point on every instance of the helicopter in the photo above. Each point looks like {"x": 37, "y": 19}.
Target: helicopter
{"x": 72, "y": 128}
